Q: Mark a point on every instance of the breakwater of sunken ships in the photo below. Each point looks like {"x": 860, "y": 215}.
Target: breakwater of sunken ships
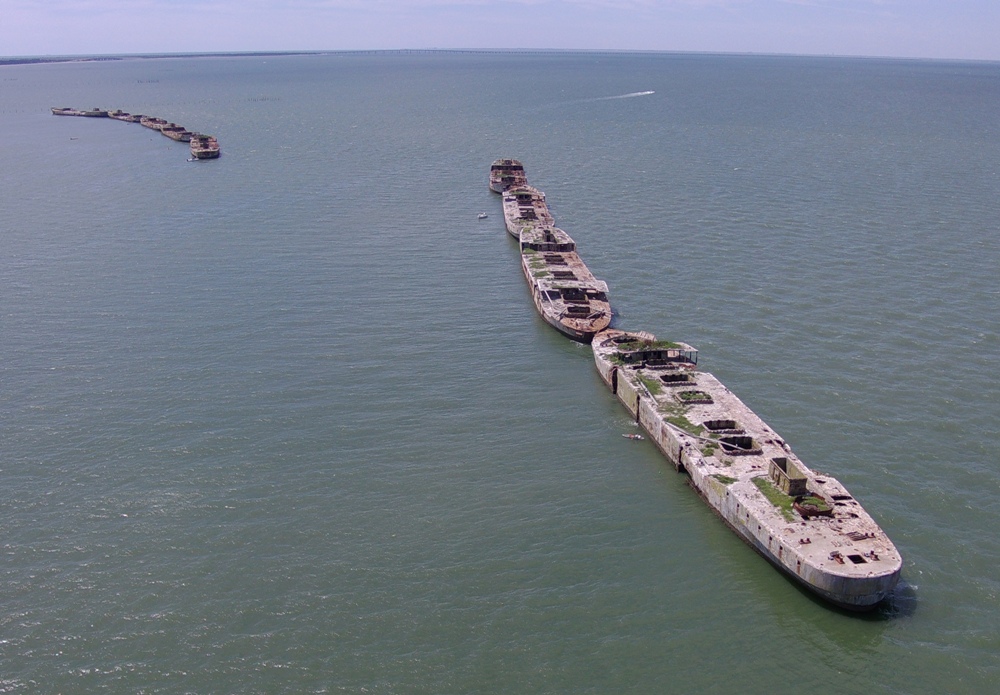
{"x": 804, "y": 522}
{"x": 202, "y": 146}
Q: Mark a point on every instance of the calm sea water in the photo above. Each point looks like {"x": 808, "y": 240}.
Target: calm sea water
{"x": 287, "y": 422}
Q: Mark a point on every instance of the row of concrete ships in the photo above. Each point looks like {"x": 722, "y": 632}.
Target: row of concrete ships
{"x": 202, "y": 146}
{"x": 805, "y": 523}
{"x": 565, "y": 292}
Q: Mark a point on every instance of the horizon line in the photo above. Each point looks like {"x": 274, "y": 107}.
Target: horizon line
{"x": 94, "y": 57}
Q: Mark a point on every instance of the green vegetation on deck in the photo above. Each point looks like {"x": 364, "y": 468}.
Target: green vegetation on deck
{"x": 818, "y": 502}
{"x": 776, "y": 497}
{"x": 637, "y": 344}
{"x": 676, "y": 415}
{"x": 652, "y": 385}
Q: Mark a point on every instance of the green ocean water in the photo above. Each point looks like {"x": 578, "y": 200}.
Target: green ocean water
{"x": 287, "y": 421}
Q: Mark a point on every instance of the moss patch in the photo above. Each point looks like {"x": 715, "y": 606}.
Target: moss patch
{"x": 817, "y": 502}
{"x": 676, "y": 415}
{"x": 776, "y": 497}
{"x": 652, "y": 385}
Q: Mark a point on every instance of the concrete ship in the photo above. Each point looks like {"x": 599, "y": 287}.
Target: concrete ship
{"x": 523, "y": 207}
{"x": 804, "y": 522}
{"x": 93, "y": 113}
{"x": 120, "y": 115}
{"x": 564, "y": 291}
{"x": 176, "y": 132}
{"x": 204, "y": 146}
{"x": 507, "y": 173}
{"x": 153, "y": 122}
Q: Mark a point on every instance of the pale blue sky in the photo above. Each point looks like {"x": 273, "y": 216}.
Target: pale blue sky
{"x": 965, "y": 29}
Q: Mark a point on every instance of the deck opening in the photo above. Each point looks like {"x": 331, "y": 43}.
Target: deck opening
{"x": 694, "y": 397}
{"x": 739, "y": 445}
{"x": 723, "y": 426}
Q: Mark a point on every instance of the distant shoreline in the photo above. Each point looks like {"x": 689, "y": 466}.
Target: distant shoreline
{"x": 32, "y": 60}
{"x": 38, "y": 60}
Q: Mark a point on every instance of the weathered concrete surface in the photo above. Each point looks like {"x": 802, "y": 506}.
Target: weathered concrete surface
{"x": 525, "y": 207}
{"x": 729, "y": 454}
{"x": 564, "y": 291}
{"x": 506, "y": 173}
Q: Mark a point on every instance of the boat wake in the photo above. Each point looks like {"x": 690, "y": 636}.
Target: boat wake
{"x": 591, "y": 100}
{"x": 630, "y": 95}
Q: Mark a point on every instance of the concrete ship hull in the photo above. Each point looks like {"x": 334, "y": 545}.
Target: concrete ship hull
{"x": 581, "y": 329}
{"x": 177, "y": 133}
{"x": 506, "y": 173}
{"x": 525, "y": 207}
{"x": 153, "y": 123}
{"x": 204, "y": 146}
{"x": 89, "y": 113}
{"x": 733, "y": 460}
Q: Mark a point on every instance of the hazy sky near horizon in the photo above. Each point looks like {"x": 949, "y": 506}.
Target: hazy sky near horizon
{"x": 962, "y": 29}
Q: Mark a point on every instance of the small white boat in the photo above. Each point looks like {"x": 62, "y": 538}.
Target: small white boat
{"x": 632, "y": 436}
{"x": 483, "y": 215}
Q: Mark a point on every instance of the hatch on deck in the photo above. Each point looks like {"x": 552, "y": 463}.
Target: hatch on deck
{"x": 787, "y": 475}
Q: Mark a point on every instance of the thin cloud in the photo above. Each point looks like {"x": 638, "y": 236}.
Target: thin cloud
{"x": 859, "y": 6}
{"x": 904, "y": 28}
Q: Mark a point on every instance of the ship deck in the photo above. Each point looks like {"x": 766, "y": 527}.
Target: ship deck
{"x": 525, "y": 207}
{"x": 740, "y": 465}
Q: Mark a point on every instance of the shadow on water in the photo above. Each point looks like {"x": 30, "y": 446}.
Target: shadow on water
{"x": 900, "y": 603}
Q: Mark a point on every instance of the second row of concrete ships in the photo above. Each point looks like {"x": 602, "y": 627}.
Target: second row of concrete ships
{"x": 201, "y": 146}
{"x": 805, "y": 523}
